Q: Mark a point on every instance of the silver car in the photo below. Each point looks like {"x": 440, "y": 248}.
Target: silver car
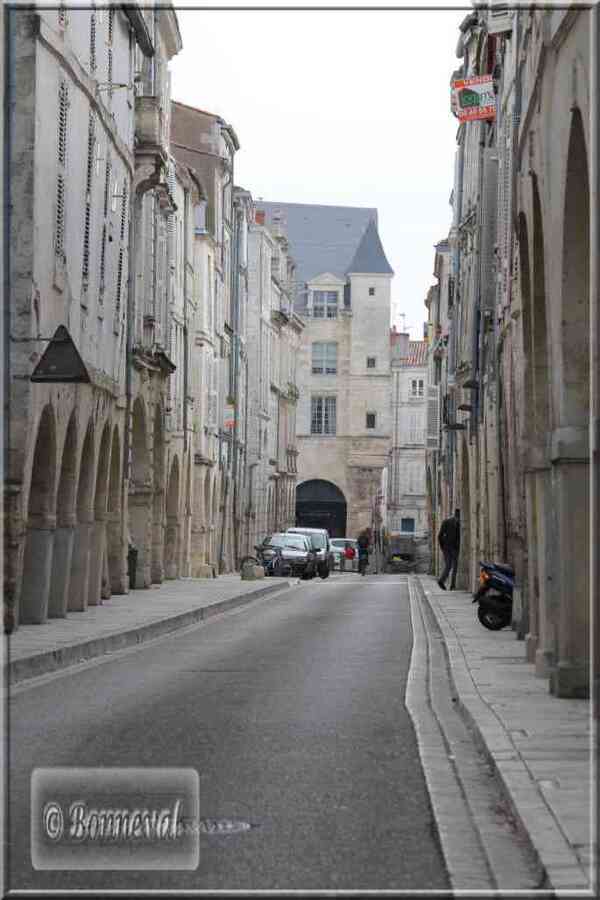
{"x": 319, "y": 538}
{"x": 338, "y": 546}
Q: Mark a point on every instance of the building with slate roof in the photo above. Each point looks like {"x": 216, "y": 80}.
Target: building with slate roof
{"x": 342, "y": 293}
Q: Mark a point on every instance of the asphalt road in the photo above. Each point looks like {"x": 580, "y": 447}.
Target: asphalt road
{"x": 292, "y": 712}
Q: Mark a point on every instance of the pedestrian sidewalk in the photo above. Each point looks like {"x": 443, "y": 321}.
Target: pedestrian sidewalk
{"x": 127, "y": 619}
{"x": 543, "y": 747}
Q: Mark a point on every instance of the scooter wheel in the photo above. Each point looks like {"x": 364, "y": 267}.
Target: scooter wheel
{"x": 492, "y": 620}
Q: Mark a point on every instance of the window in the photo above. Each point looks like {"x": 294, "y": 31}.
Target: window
{"x": 371, "y": 362}
{"x": 371, "y": 419}
{"x": 417, "y": 387}
{"x": 322, "y": 415}
{"x": 325, "y": 304}
{"x": 407, "y": 525}
{"x": 324, "y": 358}
{"x": 371, "y": 292}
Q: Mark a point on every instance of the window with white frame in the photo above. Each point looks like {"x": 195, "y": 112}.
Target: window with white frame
{"x": 324, "y": 358}
{"x": 323, "y": 415}
{"x": 371, "y": 362}
{"x": 407, "y": 525}
{"x": 371, "y": 420}
{"x": 325, "y": 304}
{"x": 417, "y": 387}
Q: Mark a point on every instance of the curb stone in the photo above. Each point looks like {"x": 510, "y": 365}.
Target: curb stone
{"x": 37, "y": 664}
{"x": 558, "y": 861}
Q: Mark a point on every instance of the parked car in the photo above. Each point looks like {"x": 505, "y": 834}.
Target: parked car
{"x": 338, "y": 546}
{"x": 296, "y": 552}
{"x": 321, "y": 544}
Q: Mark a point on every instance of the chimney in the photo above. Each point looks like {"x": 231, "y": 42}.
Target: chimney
{"x": 400, "y": 345}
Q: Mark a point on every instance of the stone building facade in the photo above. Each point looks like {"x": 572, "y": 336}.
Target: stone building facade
{"x": 404, "y": 498}
{"x": 519, "y": 415}
{"x": 273, "y": 331}
{"x": 344, "y": 411}
{"x": 76, "y": 158}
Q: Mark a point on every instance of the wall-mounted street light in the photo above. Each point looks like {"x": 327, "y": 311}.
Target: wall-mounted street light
{"x": 61, "y": 362}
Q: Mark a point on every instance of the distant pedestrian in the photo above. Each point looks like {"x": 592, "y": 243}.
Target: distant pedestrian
{"x": 363, "y": 542}
{"x": 449, "y": 541}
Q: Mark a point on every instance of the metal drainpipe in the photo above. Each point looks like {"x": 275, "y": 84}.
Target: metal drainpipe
{"x": 476, "y": 324}
{"x": 235, "y": 297}
{"x": 594, "y": 349}
{"x": 457, "y": 295}
{"x": 186, "y": 222}
{"x": 9, "y": 105}
{"x": 226, "y": 493}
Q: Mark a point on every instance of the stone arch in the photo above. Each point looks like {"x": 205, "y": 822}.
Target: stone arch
{"x": 98, "y": 530}
{"x": 114, "y": 536}
{"x": 321, "y": 504}
{"x": 570, "y": 450}
{"x": 140, "y": 496}
{"x": 66, "y": 521}
{"x": 172, "y": 534}
{"x": 39, "y": 537}
{"x": 80, "y": 567}
{"x": 158, "y": 496}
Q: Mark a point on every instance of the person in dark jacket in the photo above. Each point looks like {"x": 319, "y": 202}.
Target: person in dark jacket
{"x": 363, "y": 542}
{"x": 449, "y": 541}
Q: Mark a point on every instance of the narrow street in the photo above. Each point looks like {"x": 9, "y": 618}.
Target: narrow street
{"x": 293, "y": 713}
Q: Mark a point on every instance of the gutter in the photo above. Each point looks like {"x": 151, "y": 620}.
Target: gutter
{"x": 140, "y": 29}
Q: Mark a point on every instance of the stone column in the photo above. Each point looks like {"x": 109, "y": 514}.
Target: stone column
{"x": 64, "y": 538}
{"x": 140, "y": 517}
{"x": 97, "y": 551}
{"x": 80, "y": 566}
{"x": 570, "y": 488}
{"x": 545, "y": 655}
{"x": 37, "y": 571}
{"x": 157, "y": 572}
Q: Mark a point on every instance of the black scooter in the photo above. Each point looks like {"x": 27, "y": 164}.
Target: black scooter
{"x": 495, "y": 595}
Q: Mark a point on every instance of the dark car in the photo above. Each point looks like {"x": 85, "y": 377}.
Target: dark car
{"x": 319, "y": 538}
{"x": 296, "y": 552}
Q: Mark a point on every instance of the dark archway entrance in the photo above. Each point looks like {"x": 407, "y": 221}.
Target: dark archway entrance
{"x": 320, "y": 504}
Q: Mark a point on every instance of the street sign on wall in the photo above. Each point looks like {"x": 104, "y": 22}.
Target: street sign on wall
{"x": 473, "y": 98}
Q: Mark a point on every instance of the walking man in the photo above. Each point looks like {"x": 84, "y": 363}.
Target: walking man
{"x": 363, "y": 542}
{"x": 449, "y": 541}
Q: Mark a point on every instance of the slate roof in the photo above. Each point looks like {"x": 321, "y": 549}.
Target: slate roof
{"x": 370, "y": 258}
{"x": 321, "y": 238}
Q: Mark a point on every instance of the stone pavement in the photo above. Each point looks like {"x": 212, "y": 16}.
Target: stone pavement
{"x": 543, "y": 747}
{"x": 127, "y": 619}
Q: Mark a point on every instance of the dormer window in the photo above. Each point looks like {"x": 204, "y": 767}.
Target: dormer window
{"x": 324, "y": 304}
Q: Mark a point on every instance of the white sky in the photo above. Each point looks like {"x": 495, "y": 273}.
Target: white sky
{"x": 340, "y": 107}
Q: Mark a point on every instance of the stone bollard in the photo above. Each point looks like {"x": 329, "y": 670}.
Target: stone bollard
{"x": 250, "y": 572}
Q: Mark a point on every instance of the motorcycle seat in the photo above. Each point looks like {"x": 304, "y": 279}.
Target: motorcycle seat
{"x": 500, "y": 567}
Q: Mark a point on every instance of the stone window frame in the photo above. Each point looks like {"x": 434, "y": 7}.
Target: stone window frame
{"x": 324, "y": 357}
{"x": 323, "y": 414}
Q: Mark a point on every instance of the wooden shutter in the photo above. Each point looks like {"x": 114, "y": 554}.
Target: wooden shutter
{"x": 433, "y": 417}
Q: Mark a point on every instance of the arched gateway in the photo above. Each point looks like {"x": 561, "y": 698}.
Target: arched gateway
{"x": 320, "y": 504}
